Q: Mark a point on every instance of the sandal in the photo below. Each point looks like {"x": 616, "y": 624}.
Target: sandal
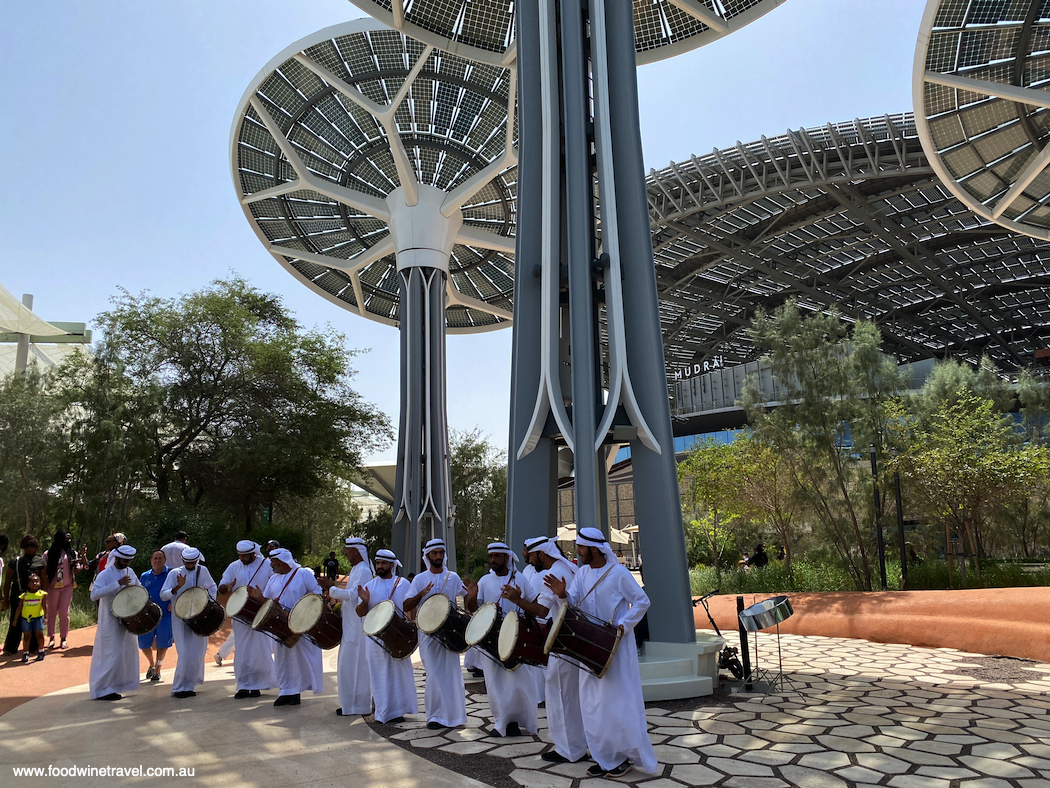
{"x": 63, "y": 645}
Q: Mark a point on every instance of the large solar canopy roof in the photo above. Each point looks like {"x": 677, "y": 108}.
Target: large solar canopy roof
{"x": 851, "y": 216}
{"x": 312, "y": 159}
{"x": 484, "y": 29}
{"x": 982, "y": 68}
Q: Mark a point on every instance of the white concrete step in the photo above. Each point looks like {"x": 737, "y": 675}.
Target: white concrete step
{"x": 665, "y": 667}
{"x": 676, "y": 688}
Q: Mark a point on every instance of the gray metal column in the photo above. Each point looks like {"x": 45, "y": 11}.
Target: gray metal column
{"x": 422, "y": 490}
{"x": 532, "y": 483}
{"x": 656, "y": 496}
{"x": 22, "y": 349}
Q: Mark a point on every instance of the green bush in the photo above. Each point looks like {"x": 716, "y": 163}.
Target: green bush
{"x": 995, "y": 574}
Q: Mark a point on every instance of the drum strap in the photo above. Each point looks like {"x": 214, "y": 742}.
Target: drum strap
{"x": 260, "y": 566}
{"x": 291, "y": 576}
{"x": 607, "y": 571}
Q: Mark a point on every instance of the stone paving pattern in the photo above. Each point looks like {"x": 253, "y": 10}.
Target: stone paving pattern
{"x": 849, "y": 713}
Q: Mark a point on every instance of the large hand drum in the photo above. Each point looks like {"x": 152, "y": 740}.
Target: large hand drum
{"x": 242, "y": 607}
{"x": 444, "y": 622}
{"x": 310, "y": 616}
{"x": 388, "y": 627}
{"x": 202, "y": 614}
{"x": 582, "y": 639}
{"x": 272, "y": 620}
{"x": 137, "y": 612}
{"x": 483, "y": 632}
{"x": 522, "y": 638}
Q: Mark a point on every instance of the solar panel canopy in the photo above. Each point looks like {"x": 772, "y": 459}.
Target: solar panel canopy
{"x": 313, "y": 162}
{"x": 980, "y": 84}
{"x": 849, "y": 216}
{"x": 484, "y": 29}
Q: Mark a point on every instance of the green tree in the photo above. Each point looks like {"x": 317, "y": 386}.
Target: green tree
{"x": 478, "y": 473}
{"x": 30, "y": 445}
{"x": 768, "y": 492}
{"x": 963, "y": 463}
{"x": 709, "y": 477}
{"x": 836, "y": 388}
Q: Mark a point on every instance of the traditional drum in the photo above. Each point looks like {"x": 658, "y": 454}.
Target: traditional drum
{"x": 388, "y": 627}
{"x": 444, "y": 622}
{"x": 522, "y": 638}
{"x": 582, "y": 639}
{"x": 272, "y": 620}
{"x": 483, "y": 632}
{"x": 242, "y": 607}
{"x": 202, "y": 614}
{"x": 137, "y": 612}
{"x": 312, "y": 617}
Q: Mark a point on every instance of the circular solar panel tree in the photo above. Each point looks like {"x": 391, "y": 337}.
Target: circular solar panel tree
{"x": 982, "y": 108}
{"x": 381, "y": 173}
{"x": 585, "y": 255}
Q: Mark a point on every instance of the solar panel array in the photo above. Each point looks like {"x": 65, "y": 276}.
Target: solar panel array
{"x": 985, "y": 143}
{"x": 848, "y": 216}
{"x": 484, "y": 29}
{"x": 453, "y": 123}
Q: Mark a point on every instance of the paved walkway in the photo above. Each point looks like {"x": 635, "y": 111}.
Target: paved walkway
{"x": 852, "y": 713}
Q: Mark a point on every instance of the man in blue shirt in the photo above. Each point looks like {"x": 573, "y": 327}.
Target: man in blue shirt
{"x": 153, "y": 581}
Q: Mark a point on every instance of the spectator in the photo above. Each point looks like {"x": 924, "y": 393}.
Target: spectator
{"x": 16, "y": 581}
{"x": 173, "y": 550}
{"x": 32, "y": 607}
{"x": 760, "y": 559}
{"x": 59, "y": 581}
{"x": 331, "y": 566}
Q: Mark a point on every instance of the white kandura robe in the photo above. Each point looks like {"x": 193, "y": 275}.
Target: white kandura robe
{"x": 564, "y": 717}
{"x": 191, "y": 647}
{"x": 253, "y": 665}
{"x": 444, "y": 697}
{"x": 393, "y": 684}
{"x": 299, "y": 668}
{"x": 115, "y": 653}
{"x": 539, "y": 674}
{"x": 612, "y": 706}
{"x": 355, "y": 696}
{"x": 512, "y": 693}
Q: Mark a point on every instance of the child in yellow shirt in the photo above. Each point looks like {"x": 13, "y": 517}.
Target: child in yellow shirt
{"x": 32, "y": 608}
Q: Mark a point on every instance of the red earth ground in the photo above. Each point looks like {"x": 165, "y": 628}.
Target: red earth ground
{"x": 1008, "y": 621}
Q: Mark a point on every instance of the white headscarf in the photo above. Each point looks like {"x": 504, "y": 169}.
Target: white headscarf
{"x": 359, "y": 543}
{"x": 549, "y": 547}
{"x": 592, "y": 537}
{"x": 284, "y": 555}
{"x": 192, "y": 554}
{"x": 246, "y": 546}
{"x": 388, "y": 555}
{"x": 125, "y": 551}
{"x": 534, "y": 542}
{"x": 433, "y": 544}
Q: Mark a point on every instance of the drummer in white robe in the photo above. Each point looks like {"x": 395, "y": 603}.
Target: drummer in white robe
{"x": 299, "y": 668}
{"x": 511, "y": 693}
{"x": 190, "y": 647}
{"x": 564, "y": 718}
{"x": 444, "y": 696}
{"x": 613, "y": 708}
{"x": 355, "y": 695}
{"x": 253, "y": 661}
{"x": 530, "y": 574}
{"x": 115, "y": 654}
{"x": 392, "y": 682}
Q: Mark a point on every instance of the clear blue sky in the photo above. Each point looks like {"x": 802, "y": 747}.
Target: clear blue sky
{"x": 117, "y": 127}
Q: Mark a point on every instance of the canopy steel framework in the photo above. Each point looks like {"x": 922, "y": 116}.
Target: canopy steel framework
{"x": 382, "y": 173}
{"x": 851, "y": 216}
{"x": 484, "y": 30}
{"x": 981, "y": 74}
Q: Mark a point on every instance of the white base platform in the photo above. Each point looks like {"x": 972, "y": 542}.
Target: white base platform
{"x": 672, "y": 671}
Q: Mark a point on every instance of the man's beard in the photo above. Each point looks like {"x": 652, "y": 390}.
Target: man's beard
{"x": 437, "y": 563}
{"x": 499, "y": 569}
{"x": 384, "y": 573}
{"x": 586, "y": 557}
{"x": 536, "y": 559}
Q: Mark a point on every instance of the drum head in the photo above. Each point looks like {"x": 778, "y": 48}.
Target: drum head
{"x": 264, "y": 613}
{"x": 191, "y": 603}
{"x": 129, "y": 601}
{"x": 378, "y": 617}
{"x": 481, "y": 623}
{"x": 508, "y": 636}
{"x": 433, "y": 613}
{"x": 237, "y": 601}
{"x": 305, "y": 613}
{"x": 556, "y": 622}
